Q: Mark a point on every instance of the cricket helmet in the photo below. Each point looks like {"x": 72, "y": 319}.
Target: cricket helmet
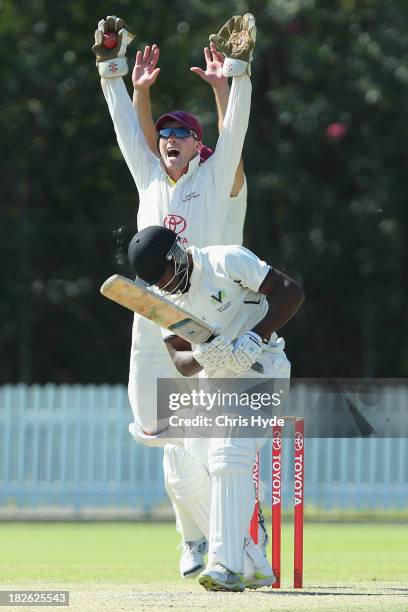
{"x": 150, "y": 252}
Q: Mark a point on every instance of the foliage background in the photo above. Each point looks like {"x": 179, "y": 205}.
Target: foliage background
{"x": 326, "y": 160}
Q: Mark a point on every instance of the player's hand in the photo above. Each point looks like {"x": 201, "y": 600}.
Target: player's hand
{"x": 236, "y": 40}
{"x": 145, "y": 72}
{"x": 112, "y": 62}
{"x": 213, "y": 71}
{"x": 215, "y": 354}
{"x": 246, "y": 351}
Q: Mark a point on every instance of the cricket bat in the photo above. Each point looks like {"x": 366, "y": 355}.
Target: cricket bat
{"x": 158, "y": 309}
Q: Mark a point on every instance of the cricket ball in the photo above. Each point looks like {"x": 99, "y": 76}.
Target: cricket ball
{"x": 109, "y": 40}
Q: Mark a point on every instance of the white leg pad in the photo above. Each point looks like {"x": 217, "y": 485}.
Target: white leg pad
{"x": 230, "y": 467}
{"x": 185, "y": 525}
{"x": 189, "y": 486}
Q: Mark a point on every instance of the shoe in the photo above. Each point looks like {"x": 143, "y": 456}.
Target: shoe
{"x": 192, "y": 559}
{"x": 259, "y": 580}
{"x": 257, "y": 570}
{"x": 219, "y": 578}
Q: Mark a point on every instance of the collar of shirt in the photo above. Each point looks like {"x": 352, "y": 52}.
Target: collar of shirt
{"x": 192, "y": 167}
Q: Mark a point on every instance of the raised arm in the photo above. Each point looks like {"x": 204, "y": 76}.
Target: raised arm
{"x": 144, "y": 76}
{"x": 130, "y": 137}
{"x": 112, "y": 65}
{"x": 219, "y": 83}
{"x": 236, "y": 40}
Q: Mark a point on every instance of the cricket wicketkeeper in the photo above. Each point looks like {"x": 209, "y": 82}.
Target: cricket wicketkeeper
{"x": 145, "y": 75}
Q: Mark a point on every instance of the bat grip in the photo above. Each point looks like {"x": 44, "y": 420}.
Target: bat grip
{"x": 210, "y": 338}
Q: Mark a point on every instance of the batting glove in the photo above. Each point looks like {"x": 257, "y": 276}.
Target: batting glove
{"x": 112, "y": 62}
{"x": 246, "y": 351}
{"x": 215, "y": 354}
{"x": 236, "y": 40}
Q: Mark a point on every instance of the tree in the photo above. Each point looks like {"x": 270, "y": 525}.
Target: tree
{"x": 325, "y": 158}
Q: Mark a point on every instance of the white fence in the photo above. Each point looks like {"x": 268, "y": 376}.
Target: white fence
{"x": 69, "y": 447}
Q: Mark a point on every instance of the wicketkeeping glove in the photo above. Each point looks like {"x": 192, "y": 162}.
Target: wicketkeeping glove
{"x": 215, "y": 354}
{"x": 246, "y": 351}
{"x": 236, "y": 40}
{"x": 112, "y": 62}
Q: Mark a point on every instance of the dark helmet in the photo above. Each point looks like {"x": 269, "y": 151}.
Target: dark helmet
{"x": 150, "y": 251}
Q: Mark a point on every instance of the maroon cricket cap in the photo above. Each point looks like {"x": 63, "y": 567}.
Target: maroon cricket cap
{"x": 205, "y": 152}
{"x": 189, "y": 121}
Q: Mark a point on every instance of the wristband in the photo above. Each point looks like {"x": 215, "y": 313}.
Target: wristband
{"x": 116, "y": 67}
{"x": 235, "y": 67}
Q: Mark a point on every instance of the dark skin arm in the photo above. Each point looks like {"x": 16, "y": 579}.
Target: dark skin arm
{"x": 180, "y": 352}
{"x": 285, "y": 297}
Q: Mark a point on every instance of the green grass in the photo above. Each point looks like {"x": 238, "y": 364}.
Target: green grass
{"x": 119, "y": 553}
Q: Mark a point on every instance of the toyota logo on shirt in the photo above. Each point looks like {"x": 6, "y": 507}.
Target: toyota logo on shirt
{"x": 175, "y": 223}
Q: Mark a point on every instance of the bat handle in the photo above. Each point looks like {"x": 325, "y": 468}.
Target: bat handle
{"x": 210, "y": 338}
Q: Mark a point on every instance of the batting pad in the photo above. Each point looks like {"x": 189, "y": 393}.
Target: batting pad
{"x": 189, "y": 487}
{"x": 233, "y": 498}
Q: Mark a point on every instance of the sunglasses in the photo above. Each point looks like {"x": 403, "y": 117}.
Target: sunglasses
{"x": 179, "y": 132}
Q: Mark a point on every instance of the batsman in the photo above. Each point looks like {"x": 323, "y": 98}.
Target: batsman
{"x": 178, "y": 190}
{"x": 255, "y": 300}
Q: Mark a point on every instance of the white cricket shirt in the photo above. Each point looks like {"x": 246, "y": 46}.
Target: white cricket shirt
{"x": 198, "y": 206}
{"x": 224, "y": 288}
